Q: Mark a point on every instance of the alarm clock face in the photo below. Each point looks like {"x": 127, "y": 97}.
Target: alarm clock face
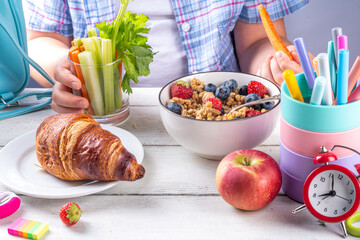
{"x": 331, "y": 193}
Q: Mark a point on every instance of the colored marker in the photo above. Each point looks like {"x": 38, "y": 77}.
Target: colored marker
{"x": 355, "y": 95}
{"x": 316, "y": 65}
{"x": 354, "y": 74}
{"x": 292, "y": 85}
{"x": 342, "y": 77}
{"x": 324, "y": 71}
{"x": 335, "y": 32}
{"x": 305, "y": 62}
{"x": 332, "y": 66}
{"x": 358, "y": 82}
{"x": 318, "y": 91}
{"x": 342, "y": 42}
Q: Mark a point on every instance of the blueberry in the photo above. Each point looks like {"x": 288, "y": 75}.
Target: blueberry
{"x": 253, "y": 97}
{"x": 267, "y": 105}
{"x": 243, "y": 90}
{"x": 222, "y": 92}
{"x": 210, "y": 88}
{"x": 222, "y": 111}
{"x": 239, "y": 118}
{"x": 232, "y": 84}
{"x": 174, "y": 107}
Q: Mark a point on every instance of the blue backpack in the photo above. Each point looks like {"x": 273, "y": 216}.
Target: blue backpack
{"x": 14, "y": 62}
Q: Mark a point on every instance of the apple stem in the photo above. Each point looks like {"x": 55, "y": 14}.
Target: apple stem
{"x": 246, "y": 162}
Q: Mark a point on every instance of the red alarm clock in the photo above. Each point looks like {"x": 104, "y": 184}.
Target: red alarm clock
{"x": 331, "y": 192}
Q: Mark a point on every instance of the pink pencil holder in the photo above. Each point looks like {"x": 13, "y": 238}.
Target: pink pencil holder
{"x": 304, "y": 128}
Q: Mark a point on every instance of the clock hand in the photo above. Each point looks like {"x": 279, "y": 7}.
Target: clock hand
{"x": 332, "y": 183}
{"x": 325, "y": 197}
{"x": 342, "y": 197}
{"x": 325, "y": 194}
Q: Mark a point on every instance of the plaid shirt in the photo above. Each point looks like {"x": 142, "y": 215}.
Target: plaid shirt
{"x": 204, "y": 25}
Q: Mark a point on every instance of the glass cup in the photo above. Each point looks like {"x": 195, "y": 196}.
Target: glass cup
{"x": 101, "y": 86}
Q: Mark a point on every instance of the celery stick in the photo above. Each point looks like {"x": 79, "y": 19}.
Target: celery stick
{"x": 117, "y": 87}
{"x": 77, "y": 42}
{"x": 92, "y": 32}
{"x": 90, "y": 46}
{"x": 96, "y": 43}
{"x": 92, "y": 82}
{"x": 108, "y": 76}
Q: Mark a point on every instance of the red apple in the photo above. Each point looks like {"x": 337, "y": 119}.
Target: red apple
{"x": 248, "y": 179}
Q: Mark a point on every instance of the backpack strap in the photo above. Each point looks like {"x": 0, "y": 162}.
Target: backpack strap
{"x": 8, "y": 99}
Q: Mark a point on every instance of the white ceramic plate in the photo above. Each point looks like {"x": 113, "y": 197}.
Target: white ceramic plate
{"x": 19, "y": 173}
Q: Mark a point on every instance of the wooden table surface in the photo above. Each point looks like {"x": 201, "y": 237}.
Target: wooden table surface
{"x": 177, "y": 198}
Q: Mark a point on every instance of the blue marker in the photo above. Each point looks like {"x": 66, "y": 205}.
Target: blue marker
{"x": 332, "y": 66}
{"x": 318, "y": 91}
{"x": 305, "y": 62}
{"x": 342, "y": 77}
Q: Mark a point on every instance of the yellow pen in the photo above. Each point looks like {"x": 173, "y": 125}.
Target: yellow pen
{"x": 292, "y": 85}
{"x": 316, "y": 65}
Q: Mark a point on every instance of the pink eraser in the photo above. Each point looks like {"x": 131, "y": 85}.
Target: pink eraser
{"x": 9, "y": 203}
{"x": 342, "y": 42}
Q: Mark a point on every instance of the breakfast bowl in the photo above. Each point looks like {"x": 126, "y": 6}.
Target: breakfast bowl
{"x": 213, "y": 139}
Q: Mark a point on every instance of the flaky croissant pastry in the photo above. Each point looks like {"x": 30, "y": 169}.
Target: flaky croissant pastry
{"x": 73, "y": 146}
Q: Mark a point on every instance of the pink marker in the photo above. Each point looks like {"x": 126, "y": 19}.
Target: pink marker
{"x": 342, "y": 42}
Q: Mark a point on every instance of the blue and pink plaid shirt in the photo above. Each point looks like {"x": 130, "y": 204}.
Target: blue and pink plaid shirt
{"x": 204, "y": 25}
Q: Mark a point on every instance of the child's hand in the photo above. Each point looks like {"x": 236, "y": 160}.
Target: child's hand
{"x": 274, "y": 66}
{"x": 63, "y": 98}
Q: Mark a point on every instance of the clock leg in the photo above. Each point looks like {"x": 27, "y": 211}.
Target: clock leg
{"x": 342, "y": 224}
{"x": 299, "y": 209}
{"x": 322, "y": 223}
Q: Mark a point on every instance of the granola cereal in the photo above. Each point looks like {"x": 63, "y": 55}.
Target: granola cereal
{"x": 194, "y": 107}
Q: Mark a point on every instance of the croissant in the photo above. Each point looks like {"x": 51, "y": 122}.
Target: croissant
{"x": 73, "y": 146}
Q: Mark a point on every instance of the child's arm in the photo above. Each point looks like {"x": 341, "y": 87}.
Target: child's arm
{"x": 47, "y": 49}
{"x": 50, "y": 50}
{"x": 255, "y": 51}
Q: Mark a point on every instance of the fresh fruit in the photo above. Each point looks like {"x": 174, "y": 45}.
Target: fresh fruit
{"x": 257, "y": 87}
{"x": 243, "y": 90}
{"x": 248, "y": 179}
{"x": 210, "y": 88}
{"x": 253, "y": 97}
{"x": 174, "y": 107}
{"x": 222, "y": 92}
{"x": 181, "y": 89}
{"x": 267, "y": 105}
{"x": 70, "y": 213}
{"x": 251, "y": 113}
{"x": 216, "y": 103}
{"x": 232, "y": 84}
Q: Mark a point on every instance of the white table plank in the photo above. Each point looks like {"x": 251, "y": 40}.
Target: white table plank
{"x": 144, "y": 122}
{"x": 172, "y": 217}
{"x": 174, "y": 170}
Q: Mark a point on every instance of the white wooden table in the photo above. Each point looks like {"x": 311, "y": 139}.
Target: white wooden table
{"x": 177, "y": 198}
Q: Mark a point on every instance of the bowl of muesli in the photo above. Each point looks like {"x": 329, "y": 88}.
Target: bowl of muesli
{"x": 195, "y": 111}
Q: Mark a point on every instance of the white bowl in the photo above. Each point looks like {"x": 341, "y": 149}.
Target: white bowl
{"x": 216, "y": 139}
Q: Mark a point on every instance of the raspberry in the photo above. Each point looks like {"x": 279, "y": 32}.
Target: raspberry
{"x": 181, "y": 89}
{"x": 251, "y": 113}
{"x": 258, "y": 88}
{"x": 216, "y": 103}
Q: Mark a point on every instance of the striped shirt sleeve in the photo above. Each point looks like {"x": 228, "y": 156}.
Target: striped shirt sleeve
{"x": 48, "y": 16}
{"x": 276, "y": 9}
